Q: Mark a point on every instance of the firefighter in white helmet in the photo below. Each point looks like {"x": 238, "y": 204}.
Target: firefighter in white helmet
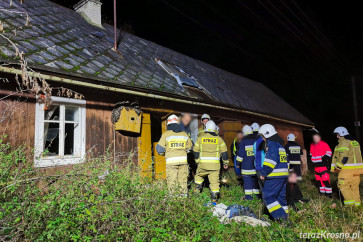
{"x": 246, "y": 161}
{"x": 274, "y": 172}
{"x": 205, "y": 118}
{"x": 258, "y": 149}
{"x": 347, "y": 161}
{"x": 208, "y": 151}
{"x": 294, "y": 154}
{"x": 175, "y": 144}
{"x": 255, "y": 128}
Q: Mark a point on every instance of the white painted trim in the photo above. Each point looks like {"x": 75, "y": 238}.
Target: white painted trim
{"x": 39, "y": 134}
{"x": 66, "y": 100}
{"x": 41, "y": 163}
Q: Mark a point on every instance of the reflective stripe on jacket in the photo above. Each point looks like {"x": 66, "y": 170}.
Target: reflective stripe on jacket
{"x": 317, "y": 151}
{"x": 351, "y": 150}
{"x": 275, "y": 164}
{"x": 294, "y": 152}
{"x": 210, "y": 148}
{"x": 176, "y": 146}
{"x": 245, "y": 156}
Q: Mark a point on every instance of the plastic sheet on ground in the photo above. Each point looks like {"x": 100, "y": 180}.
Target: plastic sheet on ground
{"x": 237, "y": 213}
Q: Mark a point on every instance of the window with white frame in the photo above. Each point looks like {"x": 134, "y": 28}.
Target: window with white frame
{"x": 60, "y": 132}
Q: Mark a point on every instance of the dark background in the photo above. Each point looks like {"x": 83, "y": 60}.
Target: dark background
{"x": 306, "y": 51}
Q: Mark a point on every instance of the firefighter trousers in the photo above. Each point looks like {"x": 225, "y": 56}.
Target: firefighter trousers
{"x": 213, "y": 176}
{"x": 323, "y": 179}
{"x": 177, "y": 178}
{"x": 348, "y": 183}
{"x": 297, "y": 169}
{"x": 274, "y": 196}
{"x": 250, "y": 185}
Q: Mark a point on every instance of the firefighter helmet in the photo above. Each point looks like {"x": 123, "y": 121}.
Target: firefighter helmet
{"x": 205, "y": 116}
{"x": 172, "y": 119}
{"x": 246, "y": 130}
{"x": 267, "y": 130}
{"x": 210, "y": 126}
{"x": 291, "y": 137}
{"x": 255, "y": 127}
{"x": 342, "y": 131}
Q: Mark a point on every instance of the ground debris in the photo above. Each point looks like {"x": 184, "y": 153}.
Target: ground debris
{"x": 237, "y": 213}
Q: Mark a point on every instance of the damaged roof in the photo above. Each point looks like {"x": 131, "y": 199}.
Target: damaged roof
{"x": 60, "y": 40}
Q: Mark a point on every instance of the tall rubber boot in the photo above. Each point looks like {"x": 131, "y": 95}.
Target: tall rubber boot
{"x": 214, "y": 197}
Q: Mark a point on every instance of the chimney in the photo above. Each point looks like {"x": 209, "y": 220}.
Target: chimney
{"x": 90, "y": 10}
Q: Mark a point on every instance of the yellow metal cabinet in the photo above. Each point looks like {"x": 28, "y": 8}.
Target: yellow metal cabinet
{"x": 129, "y": 121}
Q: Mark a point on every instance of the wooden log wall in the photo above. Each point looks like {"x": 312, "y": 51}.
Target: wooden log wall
{"x": 100, "y": 134}
{"x": 17, "y": 120}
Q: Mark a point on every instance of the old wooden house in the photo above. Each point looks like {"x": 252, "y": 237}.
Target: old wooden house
{"x": 73, "y": 49}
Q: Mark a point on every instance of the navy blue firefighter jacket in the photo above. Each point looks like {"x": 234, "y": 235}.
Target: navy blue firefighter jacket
{"x": 245, "y": 157}
{"x": 275, "y": 164}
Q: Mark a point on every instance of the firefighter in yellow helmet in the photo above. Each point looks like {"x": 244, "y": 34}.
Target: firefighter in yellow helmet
{"x": 347, "y": 161}
{"x": 205, "y": 118}
{"x": 175, "y": 144}
{"x": 208, "y": 151}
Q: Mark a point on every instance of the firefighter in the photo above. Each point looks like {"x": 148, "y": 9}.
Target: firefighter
{"x": 294, "y": 154}
{"x": 246, "y": 160}
{"x": 347, "y": 161}
{"x": 320, "y": 153}
{"x": 175, "y": 144}
{"x": 234, "y": 149}
{"x": 255, "y": 128}
{"x": 208, "y": 150}
{"x": 258, "y": 149}
{"x": 205, "y": 118}
{"x": 274, "y": 172}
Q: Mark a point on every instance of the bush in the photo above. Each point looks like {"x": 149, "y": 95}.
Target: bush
{"x": 101, "y": 200}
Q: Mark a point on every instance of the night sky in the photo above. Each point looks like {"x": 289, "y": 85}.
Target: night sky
{"x": 306, "y": 51}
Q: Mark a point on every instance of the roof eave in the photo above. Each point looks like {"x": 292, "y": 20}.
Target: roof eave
{"x": 147, "y": 93}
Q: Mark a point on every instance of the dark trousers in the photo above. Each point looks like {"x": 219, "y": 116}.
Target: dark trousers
{"x": 250, "y": 185}
{"x": 297, "y": 169}
{"x": 274, "y": 196}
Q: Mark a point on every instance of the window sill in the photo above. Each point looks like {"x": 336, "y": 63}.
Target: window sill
{"x": 55, "y": 161}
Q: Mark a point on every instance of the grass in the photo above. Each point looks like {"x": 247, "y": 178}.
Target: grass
{"x": 76, "y": 205}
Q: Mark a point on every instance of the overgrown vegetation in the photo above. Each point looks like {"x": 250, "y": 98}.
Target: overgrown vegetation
{"x": 101, "y": 200}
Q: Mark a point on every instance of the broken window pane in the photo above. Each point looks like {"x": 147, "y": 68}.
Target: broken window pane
{"x": 51, "y": 139}
{"x": 69, "y": 138}
{"x": 72, "y": 114}
{"x": 52, "y": 113}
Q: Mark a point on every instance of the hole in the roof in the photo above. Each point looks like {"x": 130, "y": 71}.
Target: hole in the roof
{"x": 182, "y": 77}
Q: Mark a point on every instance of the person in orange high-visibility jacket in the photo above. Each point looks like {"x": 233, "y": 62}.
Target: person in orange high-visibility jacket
{"x": 208, "y": 151}
{"x": 347, "y": 161}
{"x": 321, "y": 157}
{"x": 175, "y": 144}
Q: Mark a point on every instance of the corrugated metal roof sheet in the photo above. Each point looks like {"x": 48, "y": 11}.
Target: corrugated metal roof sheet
{"x": 60, "y": 40}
